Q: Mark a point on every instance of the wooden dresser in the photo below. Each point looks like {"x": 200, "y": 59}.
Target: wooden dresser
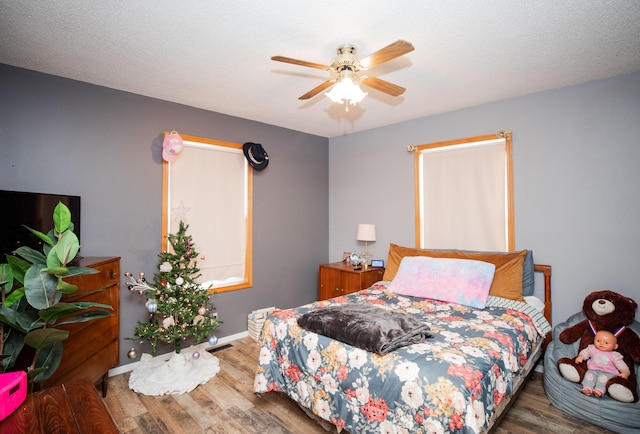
{"x": 93, "y": 346}
{"x": 339, "y": 278}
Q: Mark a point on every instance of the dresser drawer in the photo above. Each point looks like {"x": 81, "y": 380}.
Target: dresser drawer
{"x": 108, "y": 275}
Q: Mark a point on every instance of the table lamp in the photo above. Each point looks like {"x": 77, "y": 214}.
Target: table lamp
{"x": 366, "y": 233}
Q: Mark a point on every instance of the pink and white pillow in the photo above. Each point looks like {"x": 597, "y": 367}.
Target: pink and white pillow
{"x": 461, "y": 281}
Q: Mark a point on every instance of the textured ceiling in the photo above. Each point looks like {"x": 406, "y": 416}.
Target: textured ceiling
{"x": 216, "y": 55}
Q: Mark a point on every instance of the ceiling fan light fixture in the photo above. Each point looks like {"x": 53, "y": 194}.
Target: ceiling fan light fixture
{"x": 346, "y": 89}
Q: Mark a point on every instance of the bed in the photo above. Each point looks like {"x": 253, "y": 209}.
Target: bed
{"x": 460, "y": 379}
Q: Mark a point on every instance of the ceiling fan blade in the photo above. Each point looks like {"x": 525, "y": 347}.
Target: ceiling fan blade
{"x": 300, "y": 62}
{"x": 316, "y": 90}
{"x": 383, "y": 86}
{"x": 387, "y": 53}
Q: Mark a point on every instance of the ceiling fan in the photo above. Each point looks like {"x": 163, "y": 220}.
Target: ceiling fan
{"x": 346, "y": 66}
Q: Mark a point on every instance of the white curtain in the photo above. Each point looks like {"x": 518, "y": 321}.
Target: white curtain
{"x": 207, "y": 192}
{"x": 464, "y": 196}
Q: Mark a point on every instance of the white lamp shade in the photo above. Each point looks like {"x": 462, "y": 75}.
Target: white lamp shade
{"x": 366, "y": 232}
{"x": 346, "y": 90}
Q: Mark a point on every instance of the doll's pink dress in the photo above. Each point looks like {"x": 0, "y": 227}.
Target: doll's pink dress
{"x": 602, "y": 365}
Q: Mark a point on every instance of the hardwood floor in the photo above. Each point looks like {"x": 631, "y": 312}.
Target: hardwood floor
{"x": 226, "y": 404}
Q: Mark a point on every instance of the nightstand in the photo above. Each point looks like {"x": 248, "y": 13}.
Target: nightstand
{"x": 339, "y": 278}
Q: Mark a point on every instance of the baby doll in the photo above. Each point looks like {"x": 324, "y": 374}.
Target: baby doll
{"x": 603, "y": 363}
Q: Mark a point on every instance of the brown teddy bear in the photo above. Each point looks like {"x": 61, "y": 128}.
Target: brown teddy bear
{"x": 605, "y": 310}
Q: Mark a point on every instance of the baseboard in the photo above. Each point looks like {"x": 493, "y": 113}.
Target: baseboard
{"x": 200, "y": 347}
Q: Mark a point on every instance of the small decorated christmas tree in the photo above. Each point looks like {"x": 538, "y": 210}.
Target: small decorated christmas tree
{"x": 178, "y": 305}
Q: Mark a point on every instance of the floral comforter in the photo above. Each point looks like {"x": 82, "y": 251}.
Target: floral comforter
{"x": 450, "y": 383}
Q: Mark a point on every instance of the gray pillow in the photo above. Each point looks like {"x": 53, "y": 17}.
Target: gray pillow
{"x": 528, "y": 278}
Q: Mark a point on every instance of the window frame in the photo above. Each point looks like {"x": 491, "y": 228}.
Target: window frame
{"x": 418, "y": 179}
{"x": 247, "y": 278}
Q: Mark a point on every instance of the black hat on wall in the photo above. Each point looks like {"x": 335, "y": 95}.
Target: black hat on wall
{"x": 256, "y": 155}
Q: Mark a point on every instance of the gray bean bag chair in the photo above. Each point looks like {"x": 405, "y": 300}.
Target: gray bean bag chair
{"x": 606, "y": 412}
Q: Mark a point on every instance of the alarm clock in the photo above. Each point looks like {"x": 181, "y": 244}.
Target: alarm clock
{"x": 377, "y": 263}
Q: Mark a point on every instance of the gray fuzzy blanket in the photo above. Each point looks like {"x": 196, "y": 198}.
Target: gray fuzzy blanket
{"x": 366, "y": 326}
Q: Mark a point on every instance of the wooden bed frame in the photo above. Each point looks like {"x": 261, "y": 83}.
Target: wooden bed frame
{"x": 507, "y": 403}
{"x": 546, "y": 270}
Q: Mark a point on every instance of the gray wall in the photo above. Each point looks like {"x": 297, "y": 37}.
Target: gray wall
{"x": 576, "y": 176}
{"x": 68, "y": 137}
{"x": 577, "y": 183}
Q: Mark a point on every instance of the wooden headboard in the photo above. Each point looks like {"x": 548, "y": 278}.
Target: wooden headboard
{"x": 546, "y": 269}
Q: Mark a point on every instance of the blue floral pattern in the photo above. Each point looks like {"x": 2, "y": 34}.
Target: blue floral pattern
{"x": 451, "y": 383}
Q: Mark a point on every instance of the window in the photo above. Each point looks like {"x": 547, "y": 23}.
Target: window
{"x": 464, "y": 194}
{"x": 209, "y": 187}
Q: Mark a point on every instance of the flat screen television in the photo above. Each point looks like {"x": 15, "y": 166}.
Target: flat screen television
{"x": 34, "y": 210}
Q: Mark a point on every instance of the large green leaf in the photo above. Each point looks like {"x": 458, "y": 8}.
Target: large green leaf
{"x": 6, "y": 277}
{"x": 48, "y": 361}
{"x": 80, "y": 271}
{"x": 13, "y": 344}
{"x": 15, "y": 295}
{"x": 34, "y": 373}
{"x": 66, "y": 287}
{"x": 10, "y": 317}
{"x": 40, "y": 288}
{"x": 57, "y": 271}
{"x": 61, "y": 217}
{"x": 67, "y": 247}
{"x": 58, "y": 310}
{"x": 23, "y": 321}
{"x": 89, "y": 304}
{"x": 89, "y": 315}
{"x": 29, "y": 320}
{"x": 31, "y": 255}
{"x": 43, "y": 337}
{"x": 52, "y": 258}
{"x": 61, "y": 309}
{"x": 18, "y": 266}
{"x": 40, "y": 235}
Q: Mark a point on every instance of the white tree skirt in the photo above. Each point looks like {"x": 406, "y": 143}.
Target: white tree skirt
{"x": 180, "y": 374}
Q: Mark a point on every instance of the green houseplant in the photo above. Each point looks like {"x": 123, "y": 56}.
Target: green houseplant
{"x": 33, "y": 304}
